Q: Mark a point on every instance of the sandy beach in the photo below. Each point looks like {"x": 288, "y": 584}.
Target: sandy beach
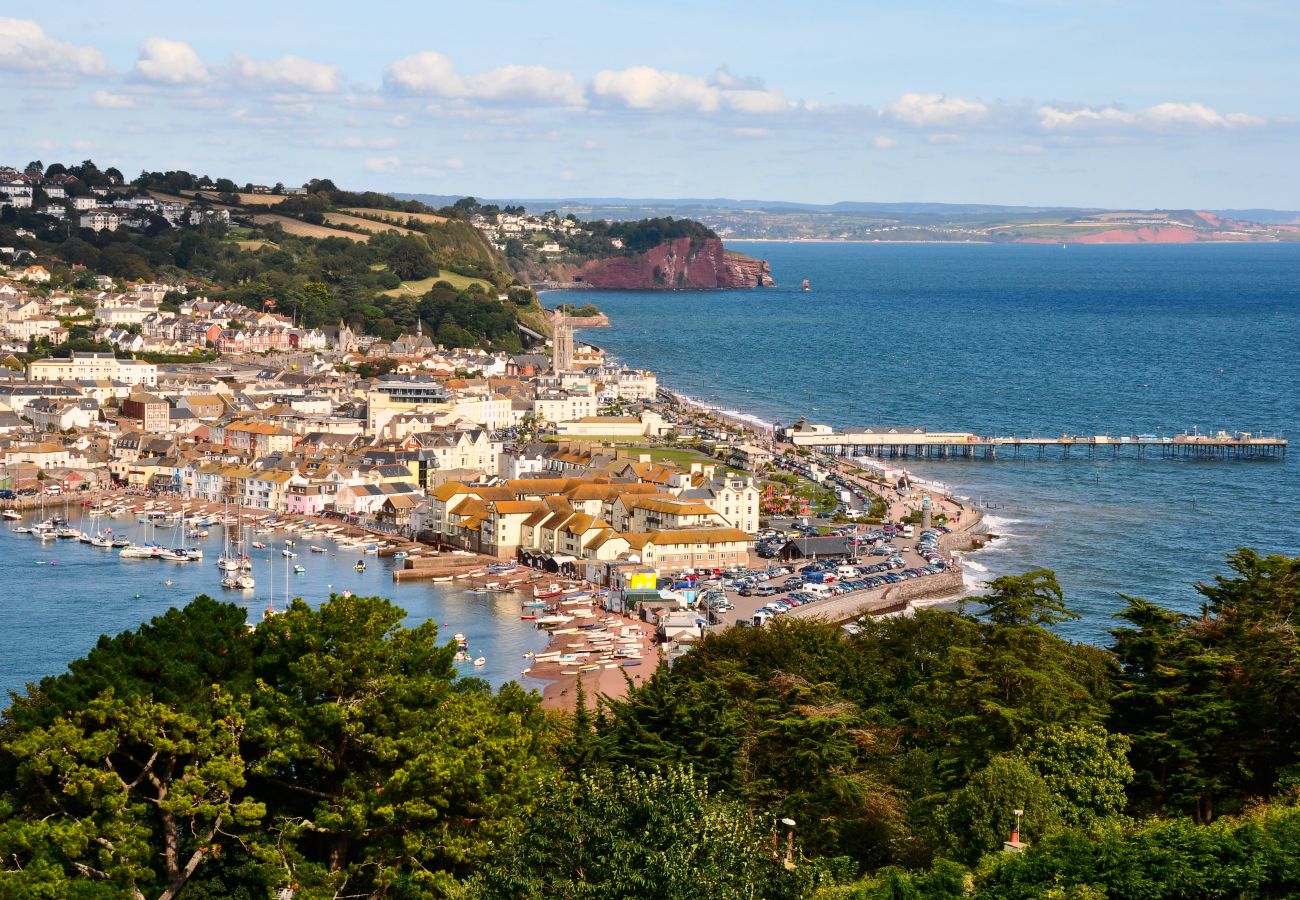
{"x": 611, "y": 651}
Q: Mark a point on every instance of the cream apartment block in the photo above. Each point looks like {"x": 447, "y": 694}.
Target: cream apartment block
{"x": 93, "y": 367}
{"x": 575, "y": 518}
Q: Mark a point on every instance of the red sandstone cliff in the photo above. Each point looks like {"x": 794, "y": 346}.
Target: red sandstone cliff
{"x": 674, "y": 266}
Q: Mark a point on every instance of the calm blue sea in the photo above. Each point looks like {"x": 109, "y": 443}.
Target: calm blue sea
{"x": 1027, "y": 340}
{"x": 57, "y": 598}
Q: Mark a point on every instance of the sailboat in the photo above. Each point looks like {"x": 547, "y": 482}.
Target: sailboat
{"x": 227, "y": 561}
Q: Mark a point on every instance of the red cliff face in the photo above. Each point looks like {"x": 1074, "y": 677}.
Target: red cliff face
{"x": 672, "y": 266}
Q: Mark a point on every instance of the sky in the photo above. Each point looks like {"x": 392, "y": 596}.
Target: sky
{"x": 1141, "y": 103}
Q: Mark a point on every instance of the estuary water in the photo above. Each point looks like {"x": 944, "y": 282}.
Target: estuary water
{"x": 1023, "y": 340}
{"x": 58, "y": 597}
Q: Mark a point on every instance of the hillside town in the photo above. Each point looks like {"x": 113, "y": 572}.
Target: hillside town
{"x": 479, "y": 451}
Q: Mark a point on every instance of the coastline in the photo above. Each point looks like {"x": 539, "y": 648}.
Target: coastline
{"x": 967, "y": 533}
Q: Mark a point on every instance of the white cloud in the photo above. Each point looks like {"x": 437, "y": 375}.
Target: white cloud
{"x": 946, "y": 137}
{"x": 170, "y": 62}
{"x": 724, "y": 78}
{"x": 752, "y": 132}
{"x": 1161, "y": 117}
{"x": 25, "y": 47}
{"x": 1196, "y": 115}
{"x": 644, "y": 87}
{"x": 106, "y": 100}
{"x": 884, "y": 143}
{"x": 286, "y": 73}
{"x": 1053, "y": 118}
{"x": 399, "y": 121}
{"x": 931, "y": 110}
{"x": 756, "y": 102}
{"x": 454, "y": 163}
{"x": 432, "y": 73}
{"x": 568, "y": 175}
{"x": 382, "y": 163}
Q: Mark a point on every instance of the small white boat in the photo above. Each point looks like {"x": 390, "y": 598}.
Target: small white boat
{"x": 480, "y": 661}
{"x": 22, "y": 529}
{"x": 245, "y": 582}
{"x": 11, "y": 514}
{"x": 288, "y": 554}
{"x": 299, "y": 570}
{"x": 135, "y": 551}
{"x": 317, "y": 549}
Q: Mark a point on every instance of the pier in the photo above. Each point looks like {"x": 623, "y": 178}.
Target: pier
{"x": 922, "y": 444}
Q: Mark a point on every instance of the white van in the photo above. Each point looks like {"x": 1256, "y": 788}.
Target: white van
{"x": 908, "y": 531}
{"x": 821, "y": 590}
{"x": 846, "y": 572}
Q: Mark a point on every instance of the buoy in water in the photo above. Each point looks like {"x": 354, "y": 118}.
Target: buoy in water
{"x": 137, "y": 596}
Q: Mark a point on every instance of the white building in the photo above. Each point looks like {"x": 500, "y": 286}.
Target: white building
{"x": 101, "y": 220}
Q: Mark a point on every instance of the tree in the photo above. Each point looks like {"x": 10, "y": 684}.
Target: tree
{"x": 118, "y": 788}
{"x": 1211, "y": 701}
{"x": 1033, "y": 598}
{"x": 408, "y": 257}
{"x": 654, "y": 836}
{"x": 376, "y": 765}
{"x": 979, "y": 817}
{"x": 313, "y": 305}
{"x": 1085, "y": 767}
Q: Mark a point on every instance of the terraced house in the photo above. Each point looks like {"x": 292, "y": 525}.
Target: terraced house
{"x": 583, "y": 520}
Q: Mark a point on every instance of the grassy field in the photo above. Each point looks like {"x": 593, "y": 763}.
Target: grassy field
{"x": 303, "y": 229}
{"x": 424, "y": 285}
{"x": 400, "y": 218}
{"x": 247, "y": 199}
{"x": 364, "y": 224}
{"x": 252, "y": 246}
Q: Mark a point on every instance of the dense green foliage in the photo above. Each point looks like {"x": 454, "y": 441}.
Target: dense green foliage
{"x": 337, "y": 751}
{"x": 606, "y": 835}
{"x": 326, "y": 749}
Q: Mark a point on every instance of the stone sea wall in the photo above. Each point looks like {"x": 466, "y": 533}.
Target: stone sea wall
{"x": 884, "y": 599}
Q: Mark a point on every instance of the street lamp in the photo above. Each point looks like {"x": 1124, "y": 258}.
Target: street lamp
{"x": 788, "y": 862}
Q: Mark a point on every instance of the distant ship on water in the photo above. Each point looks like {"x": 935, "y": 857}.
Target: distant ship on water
{"x": 806, "y": 285}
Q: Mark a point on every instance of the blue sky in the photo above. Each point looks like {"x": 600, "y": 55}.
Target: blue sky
{"x": 1025, "y": 101}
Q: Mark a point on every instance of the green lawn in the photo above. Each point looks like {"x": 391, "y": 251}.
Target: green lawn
{"x": 424, "y": 285}
{"x": 669, "y": 455}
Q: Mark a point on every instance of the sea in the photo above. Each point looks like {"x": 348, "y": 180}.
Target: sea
{"x": 1028, "y": 340}
{"x": 58, "y": 597}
